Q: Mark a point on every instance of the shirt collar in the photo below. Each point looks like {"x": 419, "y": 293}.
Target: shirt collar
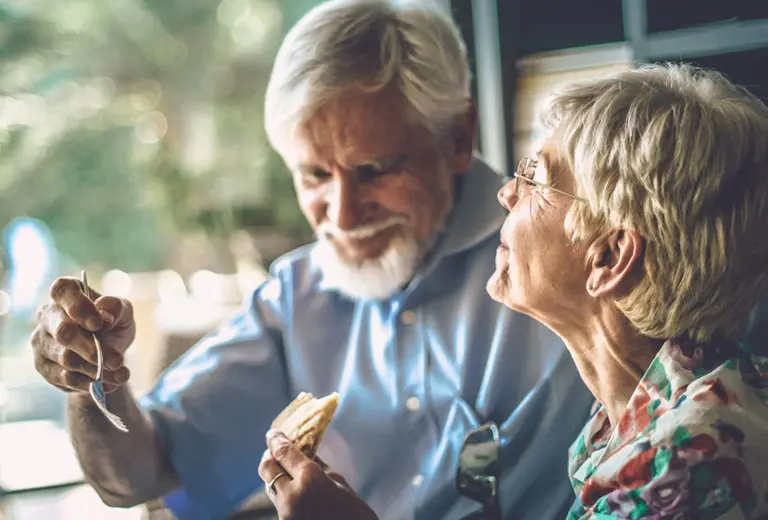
{"x": 476, "y": 215}
{"x": 673, "y": 369}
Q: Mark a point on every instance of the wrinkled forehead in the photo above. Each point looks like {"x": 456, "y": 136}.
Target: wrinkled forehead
{"x": 355, "y": 127}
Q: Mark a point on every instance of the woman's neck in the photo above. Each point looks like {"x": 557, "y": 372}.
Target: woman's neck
{"x": 610, "y": 356}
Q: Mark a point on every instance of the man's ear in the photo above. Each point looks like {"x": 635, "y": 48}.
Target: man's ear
{"x": 614, "y": 258}
{"x": 463, "y": 139}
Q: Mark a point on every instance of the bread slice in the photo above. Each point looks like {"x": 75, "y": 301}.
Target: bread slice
{"x": 306, "y": 419}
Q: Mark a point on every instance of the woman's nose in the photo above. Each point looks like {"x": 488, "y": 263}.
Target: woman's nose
{"x": 507, "y": 196}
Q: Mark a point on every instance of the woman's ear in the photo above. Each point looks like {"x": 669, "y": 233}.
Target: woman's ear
{"x": 613, "y": 257}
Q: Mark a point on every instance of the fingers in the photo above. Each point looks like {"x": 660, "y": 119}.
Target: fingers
{"x": 64, "y": 345}
{"x": 73, "y": 381}
{"x": 65, "y": 332}
{"x": 68, "y": 335}
{"x": 67, "y": 293}
{"x": 307, "y": 490}
{"x": 116, "y": 312}
{"x": 65, "y": 368}
{"x": 59, "y": 376}
{"x": 286, "y": 453}
{"x": 269, "y": 469}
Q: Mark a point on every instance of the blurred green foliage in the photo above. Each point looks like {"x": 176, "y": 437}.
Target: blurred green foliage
{"x": 124, "y": 123}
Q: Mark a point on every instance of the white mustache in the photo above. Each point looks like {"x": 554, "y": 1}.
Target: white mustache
{"x": 330, "y": 230}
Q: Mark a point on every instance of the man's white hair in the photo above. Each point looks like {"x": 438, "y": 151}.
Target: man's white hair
{"x": 369, "y": 44}
{"x": 680, "y": 155}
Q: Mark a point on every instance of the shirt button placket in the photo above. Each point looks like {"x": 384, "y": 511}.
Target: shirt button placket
{"x": 413, "y": 403}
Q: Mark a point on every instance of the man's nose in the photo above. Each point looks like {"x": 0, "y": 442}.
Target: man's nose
{"x": 506, "y": 195}
{"x": 344, "y": 204}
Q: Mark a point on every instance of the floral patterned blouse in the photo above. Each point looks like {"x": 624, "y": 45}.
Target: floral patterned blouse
{"x": 692, "y": 443}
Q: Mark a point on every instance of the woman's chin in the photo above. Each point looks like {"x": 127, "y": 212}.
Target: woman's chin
{"x": 500, "y": 289}
{"x": 495, "y": 287}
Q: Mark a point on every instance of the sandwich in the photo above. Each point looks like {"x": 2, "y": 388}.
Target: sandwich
{"x": 306, "y": 419}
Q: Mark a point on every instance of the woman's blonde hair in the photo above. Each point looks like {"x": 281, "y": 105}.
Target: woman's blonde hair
{"x": 680, "y": 155}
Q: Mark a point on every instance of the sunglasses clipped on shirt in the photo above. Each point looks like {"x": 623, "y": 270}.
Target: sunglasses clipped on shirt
{"x": 479, "y": 470}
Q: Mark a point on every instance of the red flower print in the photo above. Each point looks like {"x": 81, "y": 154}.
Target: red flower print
{"x": 635, "y": 418}
{"x": 593, "y": 491}
{"x": 637, "y": 471}
{"x": 703, "y": 444}
{"x": 716, "y": 393}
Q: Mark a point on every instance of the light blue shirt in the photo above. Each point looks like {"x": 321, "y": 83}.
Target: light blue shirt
{"x": 414, "y": 372}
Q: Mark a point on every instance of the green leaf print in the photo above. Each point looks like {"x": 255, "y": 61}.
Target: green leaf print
{"x": 656, "y": 377}
{"x": 681, "y": 436}
{"x": 661, "y": 461}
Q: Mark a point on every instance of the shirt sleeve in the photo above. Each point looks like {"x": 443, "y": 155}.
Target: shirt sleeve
{"x": 213, "y": 406}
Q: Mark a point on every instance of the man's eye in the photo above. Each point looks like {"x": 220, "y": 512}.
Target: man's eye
{"x": 317, "y": 174}
{"x": 365, "y": 173}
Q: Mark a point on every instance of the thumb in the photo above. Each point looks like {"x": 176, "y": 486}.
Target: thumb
{"x": 321, "y": 462}
{"x": 338, "y": 479}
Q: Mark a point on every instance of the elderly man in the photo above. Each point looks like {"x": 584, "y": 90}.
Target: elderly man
{"x": 369, "y": 105}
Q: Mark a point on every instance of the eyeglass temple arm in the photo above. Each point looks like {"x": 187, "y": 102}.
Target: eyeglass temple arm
{"x": 547, "y": 187}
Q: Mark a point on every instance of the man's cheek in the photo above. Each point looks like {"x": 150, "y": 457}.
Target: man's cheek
{"x": 313, "y": 209}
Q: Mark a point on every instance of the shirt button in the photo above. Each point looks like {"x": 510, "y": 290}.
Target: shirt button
{"x": 417, "y": 480}
{"x": 413, "y": 404}
{"x": 408, "y": 317}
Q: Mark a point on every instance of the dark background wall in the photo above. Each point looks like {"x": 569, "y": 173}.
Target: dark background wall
{"x": 728, "y": 35}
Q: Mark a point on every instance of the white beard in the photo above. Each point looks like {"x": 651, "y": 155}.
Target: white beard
{"x": 374, "y": 279}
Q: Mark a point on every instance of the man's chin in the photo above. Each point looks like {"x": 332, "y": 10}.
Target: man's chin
{"x": 370, "y": 279}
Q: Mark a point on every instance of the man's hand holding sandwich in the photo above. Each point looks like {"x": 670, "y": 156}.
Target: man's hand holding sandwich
{"x": 298, "y": 483}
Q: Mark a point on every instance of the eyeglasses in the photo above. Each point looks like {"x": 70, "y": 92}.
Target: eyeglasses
{"x": 526, "y": 169}
{"x": 479, "y": 470}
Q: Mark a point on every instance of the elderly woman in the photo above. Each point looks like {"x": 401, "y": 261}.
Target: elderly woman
{"x": 635, "y": 234}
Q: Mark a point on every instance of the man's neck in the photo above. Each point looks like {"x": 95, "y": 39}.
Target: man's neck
{"x": 611, "y": 357}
